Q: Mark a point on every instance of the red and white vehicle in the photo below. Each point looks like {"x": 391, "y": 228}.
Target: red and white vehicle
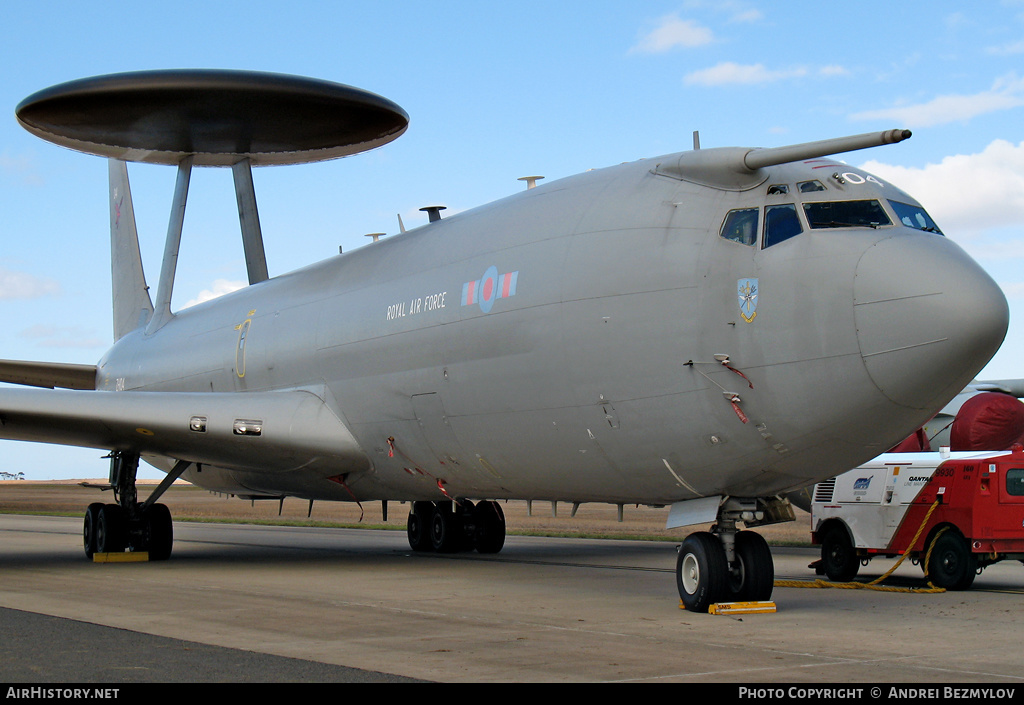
{"x": 878, "y": 508}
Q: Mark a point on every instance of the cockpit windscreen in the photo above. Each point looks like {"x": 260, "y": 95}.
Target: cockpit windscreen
{"x": 845, "y": 214}
{"x": 914, "y": 217}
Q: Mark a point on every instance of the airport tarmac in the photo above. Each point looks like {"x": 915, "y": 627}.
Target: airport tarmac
{"x": 543, "y": 610}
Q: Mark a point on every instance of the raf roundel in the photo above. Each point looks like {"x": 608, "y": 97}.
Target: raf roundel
{"x": 490, "y": 287}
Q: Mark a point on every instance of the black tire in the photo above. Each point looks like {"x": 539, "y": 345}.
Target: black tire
{"x": 89, "y": 528}
{"x": 489, "y": 536}
{"x": 159, "y": 531}
{"x": 465, "y": 525}
{"x": 952, "y": 565}
{"x": 445, "y": 530}
{"x": 702, "y": 573}
{"x": 754, "y": 579}
{"x": 112, "y": 530}
{"x": 838, "y": 556}
{"x": 418, "y": 526}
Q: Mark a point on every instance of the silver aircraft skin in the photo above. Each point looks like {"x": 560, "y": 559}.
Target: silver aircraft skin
{"x": 711, "y": 325}
{"x": 572, "y": 383}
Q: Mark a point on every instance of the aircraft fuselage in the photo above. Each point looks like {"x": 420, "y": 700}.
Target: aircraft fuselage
{"x": 537, "y": 347}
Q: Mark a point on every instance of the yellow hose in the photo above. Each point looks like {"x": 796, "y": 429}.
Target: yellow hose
{"x": 873, "y": 585}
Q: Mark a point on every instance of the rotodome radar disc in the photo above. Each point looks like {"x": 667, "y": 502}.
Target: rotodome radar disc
{"x": 217, "y": 116}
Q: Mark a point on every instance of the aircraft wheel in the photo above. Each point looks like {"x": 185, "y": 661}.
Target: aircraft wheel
{"x": 90, "y": 527}
{"x": 465, "y": 525}
{"x": 952, "y": 565}
{"x": 418, "y": 526}
{"x": 444, "y": 530}
{"x": 754, "y": 579}
{"x": 489, "y": 536}
{"x": 838, "y": 555}
{"x": 702, "y": 573}
{"x": 159, "y": 531}
{"x": 111, "y": 530}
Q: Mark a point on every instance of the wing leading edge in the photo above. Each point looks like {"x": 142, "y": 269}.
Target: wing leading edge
{"x": 261, "y": 431}
{"x": 48, "y": 374}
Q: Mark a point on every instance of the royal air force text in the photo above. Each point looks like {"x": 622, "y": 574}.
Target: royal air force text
{"x": 412, "y": 307}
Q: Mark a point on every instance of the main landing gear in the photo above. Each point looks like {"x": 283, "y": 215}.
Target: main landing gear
{"x": 724, "y": 564}
{"x": 129, "y": 524}
{"x": 451, "y": 527}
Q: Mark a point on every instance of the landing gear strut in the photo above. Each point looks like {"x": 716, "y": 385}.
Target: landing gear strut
{"x": 726, "y": 565}
{"x": 128, "y": 524}
{"x": 447, "y": 527}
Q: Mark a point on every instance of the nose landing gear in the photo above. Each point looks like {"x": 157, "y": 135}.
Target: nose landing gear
{"x": 727, "y": 565}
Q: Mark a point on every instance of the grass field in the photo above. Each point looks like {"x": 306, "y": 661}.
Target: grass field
{"x": 190, "y": 503}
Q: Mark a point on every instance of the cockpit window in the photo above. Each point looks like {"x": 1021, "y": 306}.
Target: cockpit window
{"x": 810, "y": 186}
{"x": 776, "y": 189}
{"x": 914, "y": 217}
{"x": 846, "y": 214}
{"x": 780, "y": 223}
{"x": 741, "y": 225}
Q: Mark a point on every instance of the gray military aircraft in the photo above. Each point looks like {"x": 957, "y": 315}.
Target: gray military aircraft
{"x": 707, "y": 330}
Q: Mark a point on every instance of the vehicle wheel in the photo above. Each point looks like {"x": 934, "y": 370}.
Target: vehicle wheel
{"x": 444, "y": 530}
{"x": 489, "y": 536}
{"x": 159, "y": 532}
{"x": 111, "y": 531}
{"x": 89, "y": 528}
{"x": 418, "y": 526}
{"x": 952, "y": 565}
{"x": 755, "y": 576}
{"x": 702, "y": 573}
{"x": 838, "y": 555}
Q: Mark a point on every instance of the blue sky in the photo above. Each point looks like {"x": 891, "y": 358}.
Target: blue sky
{"x": 496, "y": 91}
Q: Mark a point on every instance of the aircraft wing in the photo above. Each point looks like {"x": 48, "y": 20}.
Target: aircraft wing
{"x": 48, "y": 374}
{"x": 1006, "y": 386}
{"x": 262, "y": 431}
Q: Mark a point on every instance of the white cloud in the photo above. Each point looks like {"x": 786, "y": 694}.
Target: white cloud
{"x": 20, "y": 285}
{"x": 1007, "y": 92}
{"x": 21, "y": 168}
{"x": 672, "y": 32}
{"x": 833, "y": 70}
{"x": 969, "y": 194}
{"x": 747, "y": 16}
{"x": 64, "y": 337}
{"x": 956, "y": 19}
{"x": 730, "y": 73}
{"x": 1007, "y": 49}
{"x": 219, "y": 288}
{"x": 737, "y": 10}
{"x": 1013, "y": 290}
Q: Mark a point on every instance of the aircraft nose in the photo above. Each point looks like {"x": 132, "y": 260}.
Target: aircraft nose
{"x": 928, "y": 318}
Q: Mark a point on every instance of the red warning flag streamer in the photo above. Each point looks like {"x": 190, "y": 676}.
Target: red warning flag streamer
{"x": 440, "y": 486}
{"x": 749, "y": 383}
{"x": 440, "y": 482}
{"x": 734, "y": 401}
{"x": 340, "y": 479}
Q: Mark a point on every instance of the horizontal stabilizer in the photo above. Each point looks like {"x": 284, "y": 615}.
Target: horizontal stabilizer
{"x": 48, "y": 374}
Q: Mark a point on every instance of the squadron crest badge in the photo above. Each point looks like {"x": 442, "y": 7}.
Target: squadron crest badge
{"x": 746, "y": 291}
